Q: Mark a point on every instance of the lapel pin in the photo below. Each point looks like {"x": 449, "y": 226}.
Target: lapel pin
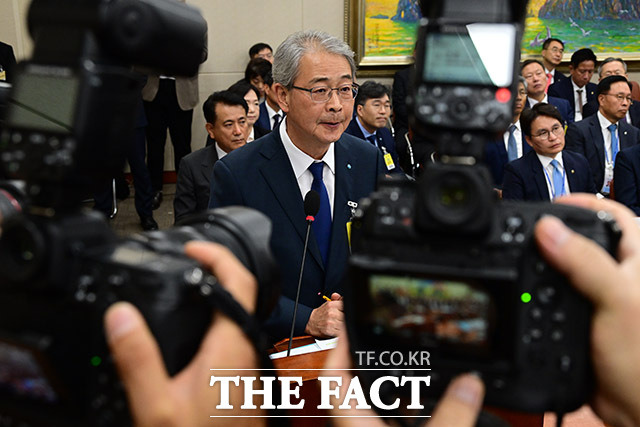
{"x": 573, "y": 171}
{"x": 348, "y": 165}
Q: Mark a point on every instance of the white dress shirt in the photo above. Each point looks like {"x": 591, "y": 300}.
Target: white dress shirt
{"x": 548, "y": 169}
{"x": 300, "y": 162}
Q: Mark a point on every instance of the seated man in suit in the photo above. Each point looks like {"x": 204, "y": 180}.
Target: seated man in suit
{"x": 552, "y": 51}
{"x": 270, "y": 113}
{"x": 577, "y": 89}
{"x": 616, "y": 67}
{"x": 314, "y": 81}
{"x": 533, "y": 72}
{"x": 226, "y": 116}
{"x": 511, "y": 146}
{"x": 373, "y": 110}
{"x": 546, "y": 172}
{"x": 600, "y": 136}
{"x": 626, "y": 178}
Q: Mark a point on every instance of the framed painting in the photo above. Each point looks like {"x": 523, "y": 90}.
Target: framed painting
{"x": 382, "y": 33}
{"x": 609, "y": 28}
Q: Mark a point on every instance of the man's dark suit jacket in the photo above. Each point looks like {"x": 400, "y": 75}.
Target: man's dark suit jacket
{"x": 558, "y": 77}
{"x": 259, "y": 175}
{"x": 592, "y": 107}
{"x": 562, "y": 105}
{"x": 264, "y": 121}
{"x": 495, "y": 157}
{"x": 194, "y": 182}
{"x": 626, "y": 178}
{"x": 564, "y": 89}
{"x": 524, "y": 179}
{"x": 383, "y": 135}
{"x": 585, "y": 137}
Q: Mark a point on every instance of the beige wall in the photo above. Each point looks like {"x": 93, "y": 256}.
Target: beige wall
{"x": 233, "y": 27}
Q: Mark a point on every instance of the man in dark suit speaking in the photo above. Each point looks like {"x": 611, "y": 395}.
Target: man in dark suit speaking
{"x": 599, "y": 137}
{"x": 546, "y": 172}
{"x": 314, "y": 82}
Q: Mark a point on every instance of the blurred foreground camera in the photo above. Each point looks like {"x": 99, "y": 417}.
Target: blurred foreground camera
{"x": 441, "y": 266}
{"x": 71, "y": 107}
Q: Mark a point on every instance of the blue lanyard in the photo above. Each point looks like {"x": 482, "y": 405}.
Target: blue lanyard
{"x": 553, "y": 190}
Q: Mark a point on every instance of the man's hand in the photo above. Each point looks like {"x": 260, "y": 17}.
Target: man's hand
{"x": 186, "y": 399}
{"x": 613, "y": 286}
{"x": 458, "y": 407}
{"x": 328, "y": 319}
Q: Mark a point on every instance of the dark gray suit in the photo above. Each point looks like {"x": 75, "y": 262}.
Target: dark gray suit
{"x": 585, "y": 137}
{"x": 193, "y": 184}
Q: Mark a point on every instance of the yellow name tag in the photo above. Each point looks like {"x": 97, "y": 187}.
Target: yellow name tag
{"x": 389, "y": 161}
{"x": 349, "y": 234}
{"x": 3, "y": 75}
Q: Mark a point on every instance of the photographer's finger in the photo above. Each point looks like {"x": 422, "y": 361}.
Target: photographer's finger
{"x": 137, "y": 359}
{"x": 460, "y": 404}
{"x": 230, "y": 272}
{"x": 630, "y": 243}
{"x": 587, "y": 265}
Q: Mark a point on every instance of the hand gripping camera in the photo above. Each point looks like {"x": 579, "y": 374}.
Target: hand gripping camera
{"x": 441, "y": 266}
{"x": 71, "y": 106}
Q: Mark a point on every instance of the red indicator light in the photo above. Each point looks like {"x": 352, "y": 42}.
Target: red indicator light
{"x": 503, "y": 95}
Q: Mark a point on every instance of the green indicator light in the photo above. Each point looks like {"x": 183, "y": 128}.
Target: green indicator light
{"x": 96, "y": 361}
{"x": 525, "y": 297}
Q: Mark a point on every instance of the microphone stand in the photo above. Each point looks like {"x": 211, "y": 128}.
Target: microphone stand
{"x": 310, "y": 219}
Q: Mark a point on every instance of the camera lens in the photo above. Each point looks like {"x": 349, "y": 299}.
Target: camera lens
{"x": 21, "y": 251}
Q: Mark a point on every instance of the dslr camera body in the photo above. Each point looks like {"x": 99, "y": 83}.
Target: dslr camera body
{"x": 441, "y": 266}
{"x": 71, "y": 108}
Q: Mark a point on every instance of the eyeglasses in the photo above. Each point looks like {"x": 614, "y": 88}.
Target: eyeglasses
{"x": 544, "y": 134}
{"x": 320, "y": 94}
{"x": 621, "y": 98}
{"x": 556, "y": 50}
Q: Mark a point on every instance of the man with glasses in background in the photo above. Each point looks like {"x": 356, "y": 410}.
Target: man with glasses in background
{"x": 552, "y": 51}
{"x": 616, "y": 67}
{"x": 546, "y": 172}
{"x": 601, "y": 136}
{"x": 314, "y": 83}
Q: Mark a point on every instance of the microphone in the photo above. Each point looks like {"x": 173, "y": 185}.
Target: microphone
{"x": 311, "y": 207}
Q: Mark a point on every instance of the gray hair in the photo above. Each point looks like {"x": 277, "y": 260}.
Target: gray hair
{"x": 523, "y": 81}
{"x": 611, "y": 59}
{"x": 286, "y": 61}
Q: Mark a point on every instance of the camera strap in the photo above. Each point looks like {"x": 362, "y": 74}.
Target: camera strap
{"x": 221, "y": 300}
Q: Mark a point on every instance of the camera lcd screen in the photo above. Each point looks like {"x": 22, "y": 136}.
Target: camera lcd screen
{"x": 426, "y": 310}
{"x": 43, "y": 102}
{"x": 482, "y": 55}
{"x": 22, "y": 375}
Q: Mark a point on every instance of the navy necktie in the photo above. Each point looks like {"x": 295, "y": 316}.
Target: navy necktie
{"x": 512, "y": 151}
{"x": 372, "y": 139}
{"x": 276, "y": 120}
{"x": 322, "y": 224}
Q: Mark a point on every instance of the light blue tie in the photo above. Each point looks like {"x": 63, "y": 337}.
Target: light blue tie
{"x": 322, "y": 224}
{"x": 615, "y": 144}
{"x": 512, "y": 151}
{"x": 557, "y": 178}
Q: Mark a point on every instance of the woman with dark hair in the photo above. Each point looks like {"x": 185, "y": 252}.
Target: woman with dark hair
{"x": 256, "y": 74}
{"x": 250, "y": 93}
